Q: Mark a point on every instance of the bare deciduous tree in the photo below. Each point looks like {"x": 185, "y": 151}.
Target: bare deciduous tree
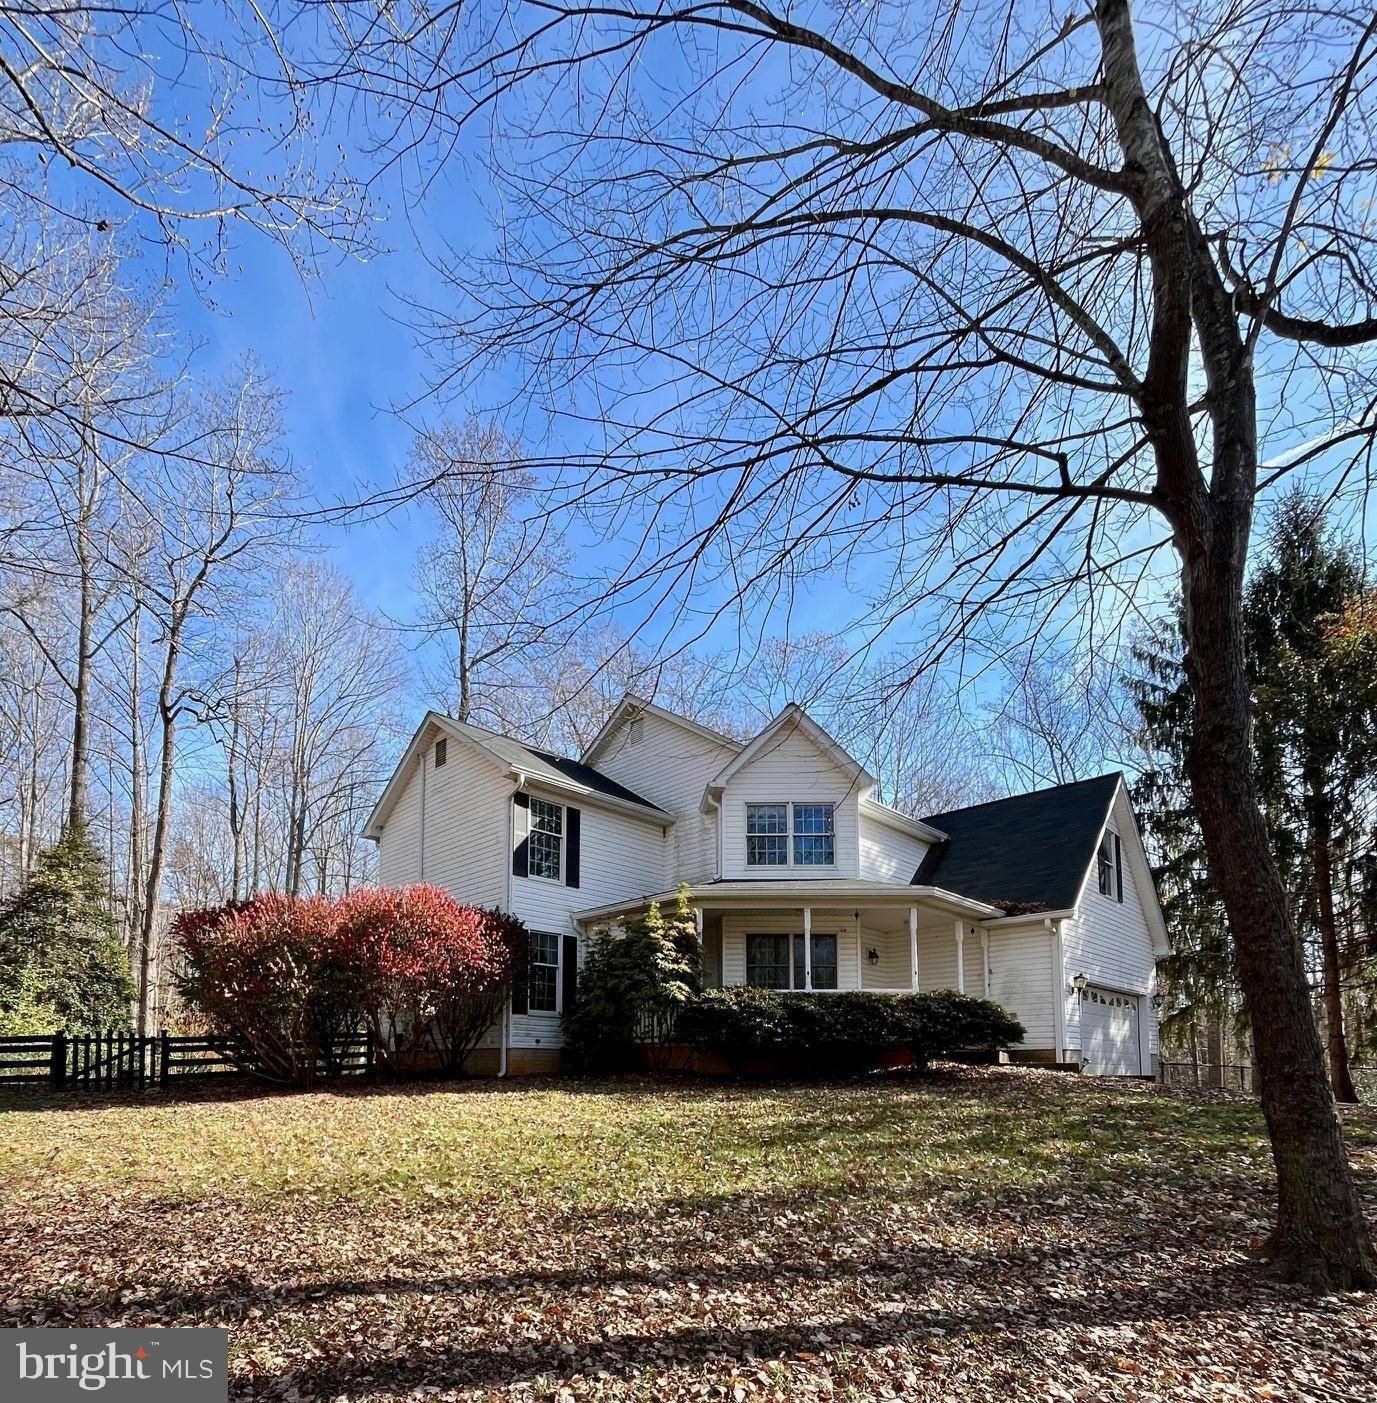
{"x": 1004, "y": 297}
{"x": 492, "y": 584}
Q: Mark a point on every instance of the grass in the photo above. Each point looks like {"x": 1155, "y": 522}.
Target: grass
{"x": 971, "y": 1235}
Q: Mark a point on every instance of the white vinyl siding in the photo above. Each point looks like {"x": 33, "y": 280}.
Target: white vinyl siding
{"x": 886, "y": 854}
{"x": 791, "y": 769}
{"x": 1021, "y": 980}
{"x": 1110, "y": 943}
{"x": 619, "y": 857}
{"x": 671, "y": 766}
{"x": 460, "y": 809}
{"x": 891, "y": 970}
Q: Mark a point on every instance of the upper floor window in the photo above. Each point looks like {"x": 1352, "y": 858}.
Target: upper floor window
{"x": 814, "y": 839}
{"x": 546, "y": 849}
{"x": 767, "y": 835}
{"x": 784, "y": 835}
{"x": 1109, "y": 862}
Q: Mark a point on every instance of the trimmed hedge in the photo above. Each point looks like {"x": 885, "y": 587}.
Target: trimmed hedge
{"x": 830, "y": 1034}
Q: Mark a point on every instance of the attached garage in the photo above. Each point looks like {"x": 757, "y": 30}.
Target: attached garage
{"x": 1110, "y": 1032}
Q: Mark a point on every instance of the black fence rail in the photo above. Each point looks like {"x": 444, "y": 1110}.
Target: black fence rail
{"x": 120, "y": 1060}
{"x": 1208, "y": 1076}
{"x": 1241, "y": 1078}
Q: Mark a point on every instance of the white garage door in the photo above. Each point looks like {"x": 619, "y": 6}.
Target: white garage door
{"x": 1109, "y": 1033}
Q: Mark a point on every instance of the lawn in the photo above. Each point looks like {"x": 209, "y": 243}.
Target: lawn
{"x": 993, "y": 1234}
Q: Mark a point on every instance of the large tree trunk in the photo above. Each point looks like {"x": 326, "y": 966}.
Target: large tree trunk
{"x": 1322, "y": 859}
{"x": 1321, "y": 1238}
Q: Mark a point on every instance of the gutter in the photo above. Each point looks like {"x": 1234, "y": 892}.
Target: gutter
{"x": 593, "y": 796}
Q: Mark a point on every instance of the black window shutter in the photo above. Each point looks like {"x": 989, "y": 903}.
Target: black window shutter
{"x": 1118, "y": 868}
{"x": 521, "y": 983}
{"x": 571, "y": 847}
{"x": 569, "y": 972}
{"x": 521, "y": 826}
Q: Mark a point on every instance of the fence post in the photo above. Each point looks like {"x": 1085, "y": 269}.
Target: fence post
{"x": 57, "y": 1061}
{"x": 164, "y": 1056}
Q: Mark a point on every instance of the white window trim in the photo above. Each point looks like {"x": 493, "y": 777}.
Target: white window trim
{"x": 558, "y": 968}
{"x": 558, "y": 878}
{"x": 789, "y": 804}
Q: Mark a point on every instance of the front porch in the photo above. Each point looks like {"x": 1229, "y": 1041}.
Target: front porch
{"x": 826, "y": 936}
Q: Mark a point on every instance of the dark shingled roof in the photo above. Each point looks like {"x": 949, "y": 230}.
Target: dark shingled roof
{"x": 546, "y": 764}
{"x": 595, "y": 780}
{"x": 1029, "y": 851}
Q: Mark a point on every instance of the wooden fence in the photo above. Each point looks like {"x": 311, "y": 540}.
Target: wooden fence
{"x": 1242, "y": 1078}
{"x": 120, "y": 1060}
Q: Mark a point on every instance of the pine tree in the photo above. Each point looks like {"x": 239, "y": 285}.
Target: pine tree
{"x": 1199, "y": 973}
{"x": 1311, "y": 655}
{"x": 61, "y": 962}
{"x": 1313, "y": 737}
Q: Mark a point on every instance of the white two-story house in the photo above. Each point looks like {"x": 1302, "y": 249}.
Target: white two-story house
{"x": 800, "y": 879}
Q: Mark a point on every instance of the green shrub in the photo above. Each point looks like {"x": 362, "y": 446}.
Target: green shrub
{"x": 631, "y": 989}
{"x": 61, "y": 962}
{"x": 841, "y": 1033}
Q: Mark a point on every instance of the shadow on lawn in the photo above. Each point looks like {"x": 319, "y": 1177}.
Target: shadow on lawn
{"x": 223, "y": 1087}
{"x": 1003, "y": 1327}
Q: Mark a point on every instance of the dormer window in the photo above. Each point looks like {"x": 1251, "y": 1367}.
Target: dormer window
{"x": 791, "y": 835}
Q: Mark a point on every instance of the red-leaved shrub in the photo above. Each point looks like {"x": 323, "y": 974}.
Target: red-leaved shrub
{"x": 262, "y": 973}
{"x": 282, "y": 977}
{"x": 428, "y": 974}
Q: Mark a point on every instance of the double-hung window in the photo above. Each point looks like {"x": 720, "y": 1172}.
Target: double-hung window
{"x": 814, "y": 839}
{"x": 791, "y": 835}
{"x": 543, "y": 979}
{"x": 1109, "y": 861}
{"x": 767, "y": 837}
{"x": 767, "y": 961}
{"x": 776, "y": 962}
{"x": 546, "y": 846}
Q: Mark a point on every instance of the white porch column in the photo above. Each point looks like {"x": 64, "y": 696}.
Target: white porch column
{"x": 984, "y": 962}
{"x": 698, "y": 924}
{"x": 960, "y": 957}
{"x": 913, "y": 947}
{"x": 807, "y": 947}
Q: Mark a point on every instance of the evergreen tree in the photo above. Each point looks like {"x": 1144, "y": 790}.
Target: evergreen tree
{"x": 1313, "y": 738}
{"x": 61, "y": 962}
{"x": 1198, "y": 975}
{"x": 1312, "y": 656}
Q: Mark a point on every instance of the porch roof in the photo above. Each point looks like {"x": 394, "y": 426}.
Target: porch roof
{"x": 762, "y": 895}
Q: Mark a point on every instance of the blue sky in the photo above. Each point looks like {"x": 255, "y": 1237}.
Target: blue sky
{"x": 340, "y": 348}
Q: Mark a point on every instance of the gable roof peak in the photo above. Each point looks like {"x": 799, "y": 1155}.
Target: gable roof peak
{"x": 823, "y": 739}
{"x": 633, "y": 705}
